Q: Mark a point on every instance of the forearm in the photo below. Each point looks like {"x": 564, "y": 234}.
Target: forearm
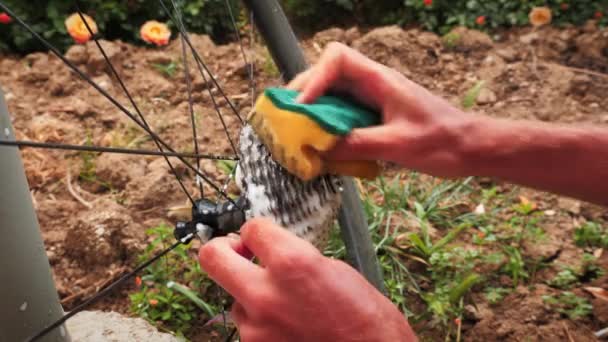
{"x": 571, "y": 161}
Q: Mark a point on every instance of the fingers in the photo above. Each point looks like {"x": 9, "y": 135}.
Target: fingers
{"x": 221, "y": 259}
{"x": 372, "y": 144}
{"x": 343, "y": 69}
{"x": 273, "y": 244}
{"x": 238, "y": 313}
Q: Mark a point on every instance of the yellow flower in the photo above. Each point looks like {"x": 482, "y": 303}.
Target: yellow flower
{"x": 77, "y": 28}
{"x": 154, "y": 32}
{"x": 540, "y": 16}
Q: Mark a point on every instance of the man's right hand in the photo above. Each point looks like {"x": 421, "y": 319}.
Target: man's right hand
{"x": 423, "y": 132}
{"x": 420, "y": 131}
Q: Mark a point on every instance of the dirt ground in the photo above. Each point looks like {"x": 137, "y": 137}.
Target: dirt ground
{"x": 555, "y": 75}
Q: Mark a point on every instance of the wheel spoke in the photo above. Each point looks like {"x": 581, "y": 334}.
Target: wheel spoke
{"x": 139, "y": 113}
{"x": 201, "y": 65}
{"x": 242, "y": 47}
{"x": 68, "y": 147}
{"x": 111, "y": 99}
{"x": 190, "y": 105}
{"x": 200, "y": 61}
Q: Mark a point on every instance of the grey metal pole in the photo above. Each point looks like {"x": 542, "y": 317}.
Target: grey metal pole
{"x": 288, "y": 56}
{"x": 28, "y": 298}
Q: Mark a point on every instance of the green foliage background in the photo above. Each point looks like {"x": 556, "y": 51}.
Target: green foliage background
{"x": 123, "y": 18}
{"x": 116, "y": 19}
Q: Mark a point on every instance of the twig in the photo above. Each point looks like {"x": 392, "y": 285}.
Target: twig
{"x": 567, "y": 332}
{"x": 579, "y": 70}
{"x": 74, "y": 193}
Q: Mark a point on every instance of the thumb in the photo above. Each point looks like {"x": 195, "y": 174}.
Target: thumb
{"x": 371, "y": 144}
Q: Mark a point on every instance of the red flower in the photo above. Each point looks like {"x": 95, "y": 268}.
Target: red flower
{"x": 428, "y": 3}
{"x": 480, "y": 20}
{"x": 457, "y": 321}
{"x": 138, "y": 281}
{"x": 598, "y": 15}
{"x": 5, "y": 18}
{"x": 564, "y": 6}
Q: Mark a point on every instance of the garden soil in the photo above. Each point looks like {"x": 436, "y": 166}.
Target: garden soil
{"x": 93, "y": 211}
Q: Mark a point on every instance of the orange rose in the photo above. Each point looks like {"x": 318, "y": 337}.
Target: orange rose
{"x": 153, "y": 302}
{"x": 481, "y": 20}
{"x": 138, "y": 281}
{"x": 154, "y": 32}
{"x": 77, "y": 28}
{"x": 540, "y": 16}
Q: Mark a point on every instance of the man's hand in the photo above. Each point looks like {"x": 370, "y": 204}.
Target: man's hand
{"x": 298, "y": 294}
{"x": 420, "y": 131}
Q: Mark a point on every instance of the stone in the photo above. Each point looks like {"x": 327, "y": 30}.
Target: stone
{"x": 529, "y": 38}
{"x": 101, "y": 326}
{"x": 96, "y": 62}
{"x": 471, "y": 40}
{"x": 579, "y": 85}
{"x": 486, "y": 96}
{"x": 77, "y": 54}
{"x": 509, "y": 54}
{"x": 569, "y": 204}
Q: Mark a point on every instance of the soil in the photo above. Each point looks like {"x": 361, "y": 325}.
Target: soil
{"x": 549, "y": 74}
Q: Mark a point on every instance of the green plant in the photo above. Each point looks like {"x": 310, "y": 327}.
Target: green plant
{"x": 169, "y": 290}
{"x": 116, "y": 19}
{"x": 168, "y": 69}
{"x": 515, "y": 266}
{"x": 569, "y": 304}
{"x": 591, "y": 234}
{"x": 451, "y": 39}
{"x": 472, "y": 94}
{"x": 565, "y": 279}
{"x": 495, "y": 294}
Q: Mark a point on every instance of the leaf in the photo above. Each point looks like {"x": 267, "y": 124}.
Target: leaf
{"x": 449, "y": 237}
{"x": 471, "y": 96}
{"x": 461, "y": 289}
{"x": 193, "y": 297}
{"x": 418, "y": 244}
{"x": 597, "y": 292}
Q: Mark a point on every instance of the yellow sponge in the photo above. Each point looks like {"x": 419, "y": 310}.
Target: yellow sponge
{"x": 296, "y": 134}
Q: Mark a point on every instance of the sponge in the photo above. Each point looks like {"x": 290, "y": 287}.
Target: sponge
{"x": 296, "y": 134}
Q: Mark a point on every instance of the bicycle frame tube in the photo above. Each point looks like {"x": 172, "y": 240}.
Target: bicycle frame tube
{"x": 28, "y": 295}
{"x": 283, "y": 45}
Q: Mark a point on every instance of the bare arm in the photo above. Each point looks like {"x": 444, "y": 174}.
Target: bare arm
{"x": 423, "y": 132}
{"x": 571, "y": 161}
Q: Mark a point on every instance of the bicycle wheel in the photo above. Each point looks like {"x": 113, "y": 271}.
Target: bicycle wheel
{"x": 284, "y": 48}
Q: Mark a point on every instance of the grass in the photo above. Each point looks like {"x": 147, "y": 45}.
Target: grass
{"x": 472, "y": 94}
{"x": 437, "y": 251}
{"x": 170, "y": 292}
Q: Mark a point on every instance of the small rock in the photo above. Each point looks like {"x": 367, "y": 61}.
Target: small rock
{"x": 550, "y": 212}
{"x": 594, "y": 105}
{"x": 508, "y": 54}
{"x": 529, "y": 38}
{"x": 580, "y": 84}
{"x": 351, "y": 34}
{"x": 103, "y": 81}
{"x": 570, "y": 205}
{"x": 486, "y": 96}
{"x": 77, "y": 54}
{"x": 480, "y": 209}
{"x": 471, "y": 40}
{"x": 111, "y": 326}
{"x": 96, "y": 62}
